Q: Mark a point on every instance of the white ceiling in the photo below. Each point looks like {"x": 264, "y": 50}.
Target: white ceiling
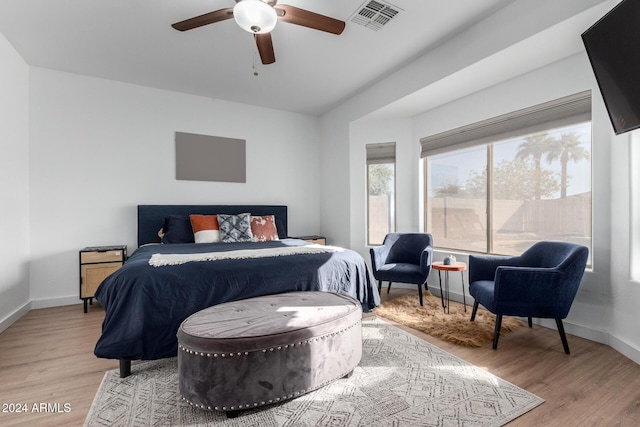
{"x": 132, "y": 41}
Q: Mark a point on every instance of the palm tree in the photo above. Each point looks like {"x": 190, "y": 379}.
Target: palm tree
{"x": 535, "y": 146}
{"x": 567, "y": 148}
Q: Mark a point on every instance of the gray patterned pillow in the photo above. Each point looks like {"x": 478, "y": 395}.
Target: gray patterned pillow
{"x": 235, "y": 228}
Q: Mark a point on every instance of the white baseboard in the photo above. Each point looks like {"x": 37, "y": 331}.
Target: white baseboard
{"x": 624, "y": 348}
{"x": 36, "y": 304}
{"x": 13, "y": 317}
{"x": 55, "y": 302}
{"x": 577, "y": 330}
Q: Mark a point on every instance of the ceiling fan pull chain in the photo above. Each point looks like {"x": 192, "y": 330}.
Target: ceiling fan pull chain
{"x": 254, "y": 56}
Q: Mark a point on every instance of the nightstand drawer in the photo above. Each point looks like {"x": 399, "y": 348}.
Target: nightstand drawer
{"x": 96, "y": 257}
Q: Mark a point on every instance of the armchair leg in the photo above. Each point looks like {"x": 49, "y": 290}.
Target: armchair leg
{"x": 389, "y": 287}
{"x": 474, "y": 311}
{"x": 420, "y": 294}
{"x": 496, "y": 334}
{"x": 379, "y": 286}
{"x": 563, "y": 336}
{"x": 530, "y": 322}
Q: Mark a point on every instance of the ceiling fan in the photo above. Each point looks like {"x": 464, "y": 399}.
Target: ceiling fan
{"x": 259, "y": 17}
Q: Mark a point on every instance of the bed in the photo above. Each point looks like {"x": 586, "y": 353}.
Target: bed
{"x": 146, "y": 300}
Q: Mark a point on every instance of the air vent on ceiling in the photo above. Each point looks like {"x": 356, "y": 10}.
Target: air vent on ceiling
{"x": 375, "y": 14}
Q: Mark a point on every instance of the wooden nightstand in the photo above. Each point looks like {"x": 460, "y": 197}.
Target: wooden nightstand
{"x": 318, "y": 240}
{"x": 96, "y": 263}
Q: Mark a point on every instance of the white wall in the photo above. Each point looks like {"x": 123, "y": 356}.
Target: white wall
{"x": 624, "y": 292}
{"x": 99, "y": 148}
{"x": 14, "y": 184}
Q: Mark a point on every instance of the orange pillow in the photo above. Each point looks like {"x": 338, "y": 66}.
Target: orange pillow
{"x": 264, "y": 228}
{"x": 205, "y": 228}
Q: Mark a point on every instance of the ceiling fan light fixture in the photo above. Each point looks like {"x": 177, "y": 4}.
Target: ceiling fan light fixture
{"x": 255, "y": 16}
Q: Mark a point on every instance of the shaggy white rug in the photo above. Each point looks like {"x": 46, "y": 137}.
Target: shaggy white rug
{"x": 401, "y": 381}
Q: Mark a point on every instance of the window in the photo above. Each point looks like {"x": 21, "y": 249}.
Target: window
{"x": 381, "y": 177}
{"x": 458, "y": 212}
{"x": 501, "y": 191}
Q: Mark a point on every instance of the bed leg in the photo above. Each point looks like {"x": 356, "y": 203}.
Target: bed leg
{"x": 125, "y": 368}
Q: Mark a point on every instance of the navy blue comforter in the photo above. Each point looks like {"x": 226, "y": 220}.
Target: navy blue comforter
{"x": 145, "y": 305}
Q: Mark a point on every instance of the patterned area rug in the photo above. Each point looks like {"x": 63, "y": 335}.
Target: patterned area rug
{"x": 401, "y": 380}
{"x": 454, "y": 327}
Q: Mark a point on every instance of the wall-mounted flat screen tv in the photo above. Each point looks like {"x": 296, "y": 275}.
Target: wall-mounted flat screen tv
{"x": 613, "y": 47}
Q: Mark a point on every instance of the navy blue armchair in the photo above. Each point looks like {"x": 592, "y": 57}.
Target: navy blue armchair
{"x": 542, "y": 283}
{"x": 403, "y": 258}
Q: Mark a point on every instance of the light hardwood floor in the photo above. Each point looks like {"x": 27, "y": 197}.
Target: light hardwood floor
{"x": 46, "y": 357}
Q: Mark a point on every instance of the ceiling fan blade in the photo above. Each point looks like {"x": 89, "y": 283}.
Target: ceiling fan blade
{"x": 265, "y": 47}
{"x": 206, "y": 19}
{"x": 294, "y": 15}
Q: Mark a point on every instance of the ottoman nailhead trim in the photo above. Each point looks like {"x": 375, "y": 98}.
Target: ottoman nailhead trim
{"x": 264, "y": 350}
{"x": 277, "y": 399}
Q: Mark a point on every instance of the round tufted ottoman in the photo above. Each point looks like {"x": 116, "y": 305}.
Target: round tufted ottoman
{"x": 262, "y": 350}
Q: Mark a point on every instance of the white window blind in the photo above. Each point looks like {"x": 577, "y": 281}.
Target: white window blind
{"x": 381, "y": 153}
{"x": 557, "y": 113}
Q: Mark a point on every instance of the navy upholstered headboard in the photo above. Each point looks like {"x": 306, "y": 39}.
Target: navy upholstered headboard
{"x": 151, "y": 217}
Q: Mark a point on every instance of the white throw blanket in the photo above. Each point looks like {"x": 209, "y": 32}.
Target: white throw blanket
{"x": 159, "y": 260}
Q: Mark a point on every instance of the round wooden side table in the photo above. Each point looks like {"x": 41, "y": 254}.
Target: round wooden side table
{"x": 458, "y": 266}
